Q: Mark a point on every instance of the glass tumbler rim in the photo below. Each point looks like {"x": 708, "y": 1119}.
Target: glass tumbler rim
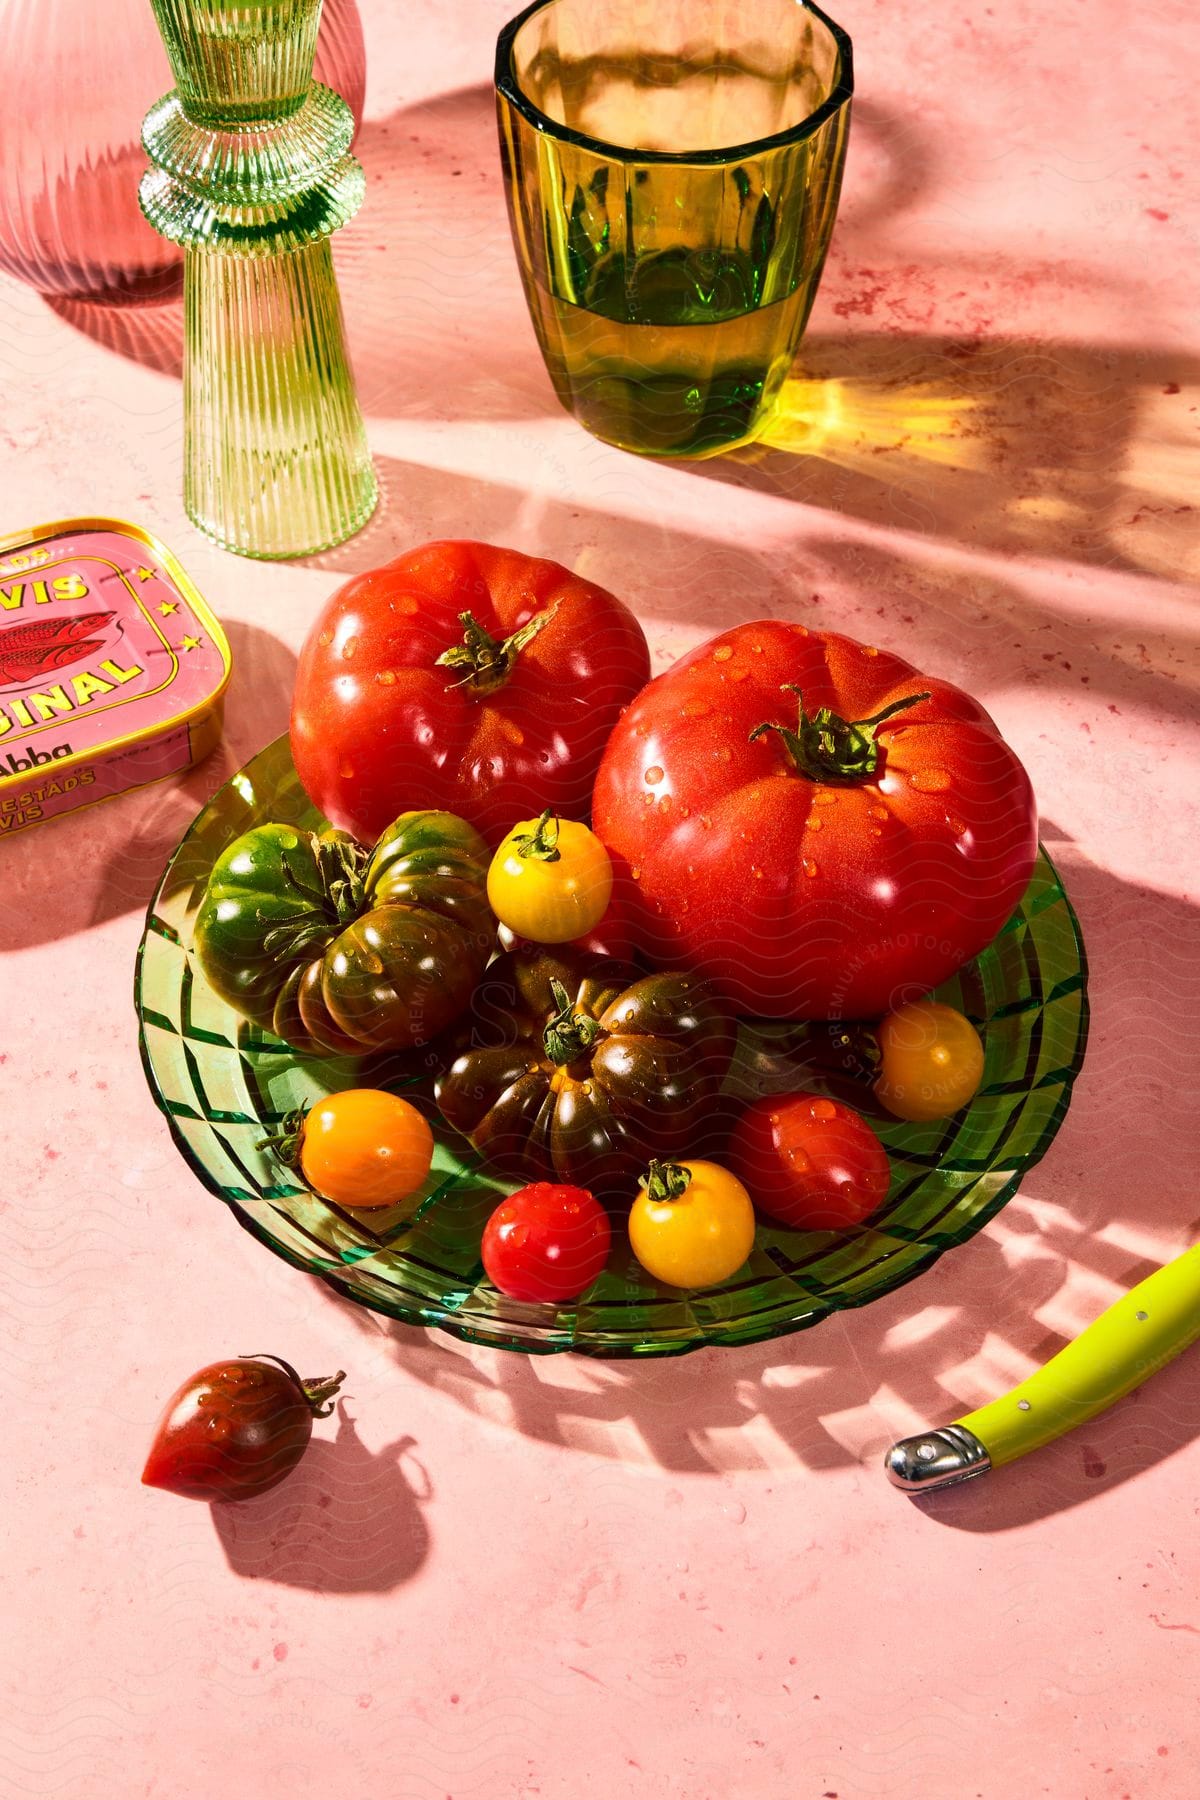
{"x": 510, "y": 88}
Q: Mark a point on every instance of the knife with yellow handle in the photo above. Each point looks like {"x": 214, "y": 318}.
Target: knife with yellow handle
{"x": 1136, "y": 1336}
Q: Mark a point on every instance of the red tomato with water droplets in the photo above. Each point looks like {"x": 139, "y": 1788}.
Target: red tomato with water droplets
{"x": 811, "y": 824}
{"x": 809, "y": 1162}
{"x": 462, "y": 677}
{"x": 548, "y": 1242}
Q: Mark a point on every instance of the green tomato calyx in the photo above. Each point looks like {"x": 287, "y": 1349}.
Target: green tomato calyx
{"x": 487, "y": 661}
{"x": 666, "y": 1180}
{"x": 540, "y": 844}
{"x": 288, "y": 1141}
{"x": 826, "y": 747}
{"x": 318, "y": 1393}
{"x": 329, "y": 888}
{"x": 570, "y": 1033}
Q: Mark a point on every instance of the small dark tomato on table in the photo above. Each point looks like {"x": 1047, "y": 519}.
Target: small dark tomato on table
{"x": 236, "y": 1429}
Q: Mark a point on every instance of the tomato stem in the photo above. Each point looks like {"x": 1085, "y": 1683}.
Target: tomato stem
{"x": 490, "y": 661}
{"x": 666, "y": 1180}
{"x": 318, "y": 1393}
{"x": 570, "y": 1034}
{"x": 540, "y": 844}
{"x": 287, "y": 1142}
{"x": 826, "y": 748}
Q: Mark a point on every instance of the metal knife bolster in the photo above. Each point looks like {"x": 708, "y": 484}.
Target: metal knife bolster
{"x": 936, "y": 1459}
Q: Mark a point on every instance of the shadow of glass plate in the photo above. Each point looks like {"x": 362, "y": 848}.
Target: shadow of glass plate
{"x": 224, "y": 1085}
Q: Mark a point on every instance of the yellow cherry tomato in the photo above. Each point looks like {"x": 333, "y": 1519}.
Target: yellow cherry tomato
{"x": 365, "y": 1148}
{"x": 931, "y": 1061}
{"x": 550, "y": 880}
{"x": 692, "y": 1224}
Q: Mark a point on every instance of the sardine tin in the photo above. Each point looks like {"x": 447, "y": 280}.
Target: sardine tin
{"x": 112, "y": 669}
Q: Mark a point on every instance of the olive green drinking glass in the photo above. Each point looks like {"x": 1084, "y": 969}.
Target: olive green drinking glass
{"x": 672, "y": 170}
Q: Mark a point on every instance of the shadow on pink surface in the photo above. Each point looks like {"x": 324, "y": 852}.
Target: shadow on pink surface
{"x": 998, "y": 442}
{"x": 1041, "y": 448}
{"x": 984, "y": 630}
{"x": 348, "y": 1520}
{"x": 83, "y": 869}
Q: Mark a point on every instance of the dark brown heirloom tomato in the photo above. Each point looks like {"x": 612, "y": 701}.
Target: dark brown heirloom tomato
{"x": 236, "y": 1428}
{"x": 578, "y": 1068}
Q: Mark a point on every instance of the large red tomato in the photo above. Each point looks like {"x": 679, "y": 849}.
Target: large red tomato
{"x": 811, "y": 824}
{"x": 462, "y": 677}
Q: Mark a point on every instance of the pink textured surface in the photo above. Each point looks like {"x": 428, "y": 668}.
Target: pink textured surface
{"x": 494, "y": 1577}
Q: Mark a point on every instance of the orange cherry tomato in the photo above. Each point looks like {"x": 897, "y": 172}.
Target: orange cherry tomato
{"x": 931, "y": 1061}
{"x": 364, "y": 1148}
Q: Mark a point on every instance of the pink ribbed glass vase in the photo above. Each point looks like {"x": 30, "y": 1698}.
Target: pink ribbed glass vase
{"x": 77, "y": 77}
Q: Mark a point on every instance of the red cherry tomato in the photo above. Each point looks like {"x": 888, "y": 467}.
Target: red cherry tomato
{"x": 813, "y": 826}
{"x": 236, "y": 1428}
{"x": 809, "y": 1162}
{"x": 400, "y": 701}
{"x": 547, "y": 1242}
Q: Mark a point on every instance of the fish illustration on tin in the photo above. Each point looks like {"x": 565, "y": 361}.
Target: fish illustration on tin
{"x": 43, "y": 646}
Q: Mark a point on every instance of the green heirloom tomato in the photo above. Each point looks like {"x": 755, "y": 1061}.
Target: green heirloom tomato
{"x": 577, "y": 1069}
{"x": 337, "y": 948}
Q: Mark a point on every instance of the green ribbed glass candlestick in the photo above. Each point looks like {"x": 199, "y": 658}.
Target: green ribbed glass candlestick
{"x": 252, "y": 175}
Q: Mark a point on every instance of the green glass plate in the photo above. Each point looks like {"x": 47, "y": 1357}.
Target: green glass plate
{"x": 223, "y": 1084}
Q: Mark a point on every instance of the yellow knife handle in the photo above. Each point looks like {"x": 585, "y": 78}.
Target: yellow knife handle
{"x": 1151, "y": 1324}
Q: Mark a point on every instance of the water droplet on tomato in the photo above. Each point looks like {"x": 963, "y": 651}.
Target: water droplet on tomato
{"x": 349, "y": 647}
{"x": 641, "y": 731}
{"x": 386, "y": 677}
{"x": 878, "y": 812}
{"x": 815, "y": 824}
{"x": 810, "y": 867}
{"x": 958, "y": 826}
{"x": 706, "y": 824}
{"x": 654, "y": 775}
{"x": 346, "y": 771}
{"x": 756, "y": 872}
{"x": 930, "y": 781}
{"x": 407, "y": 605}
{"x": 800, "y": 1160}
{"x": 724, "y": 754}
{"x": 823, "y": 1109}
{"x": 722, "y": 653}
{"x": 756, "y": 649}
{"x": 666, "y": 803}
{"x": 512, "y": 731}
{"x": 636, "y": 872}
{"x": 373, "y": 964}
{"x": 325, "y": 638}
{"x": 697, "y": 710}
{"x": 773, "y": 1118}
{"x": 648, "y": 799}
{"x": 870, "y": 650}
{"x": 826, "y": 797}
{"x": 739, "y": 674}
{"x": 685, "y": 812}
